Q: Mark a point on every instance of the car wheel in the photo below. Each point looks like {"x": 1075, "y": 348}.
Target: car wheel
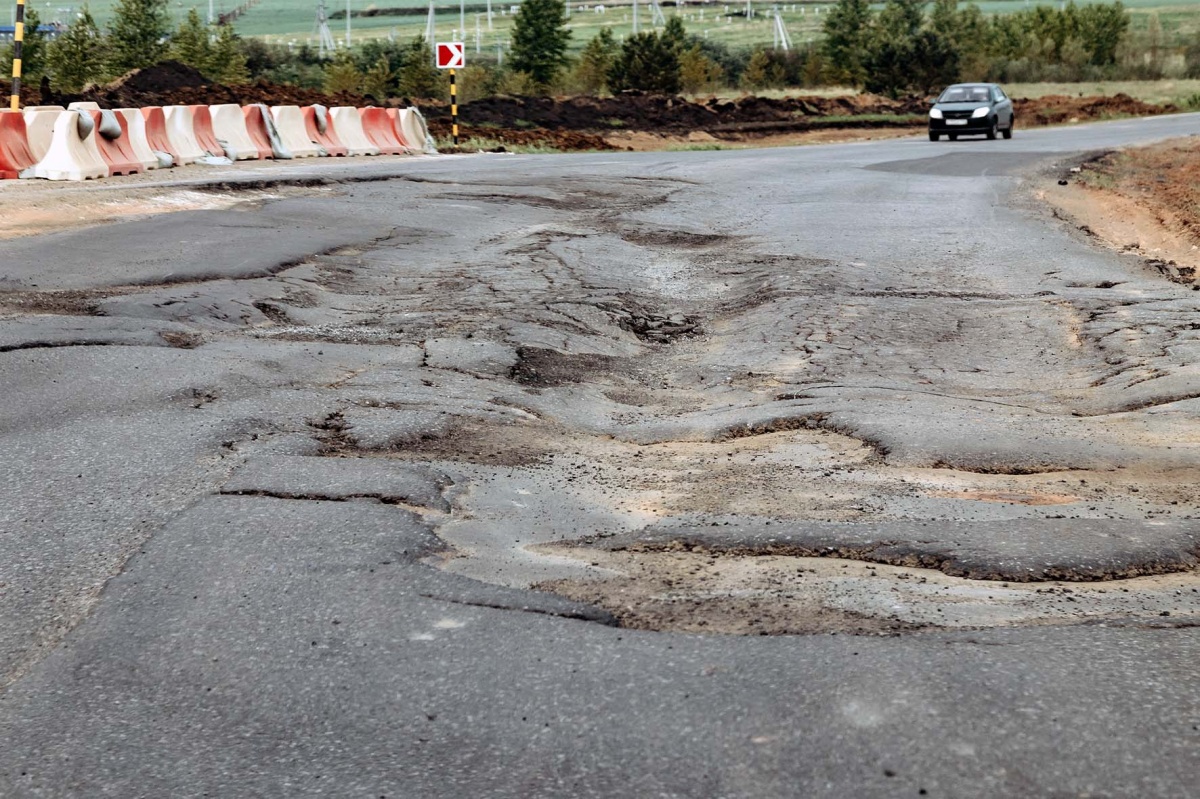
{"x": 934, "y": 136}
{"x": 991, "y": 134}
{"x": 1012, "y": 123}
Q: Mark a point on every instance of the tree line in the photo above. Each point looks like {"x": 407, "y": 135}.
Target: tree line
{"x": 905, "y": 46}
{"x": 138, "y": 35}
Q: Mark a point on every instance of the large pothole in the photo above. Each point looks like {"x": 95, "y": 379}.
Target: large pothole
{"x": 802, "y": 531}
{"x": 778, "y": 595}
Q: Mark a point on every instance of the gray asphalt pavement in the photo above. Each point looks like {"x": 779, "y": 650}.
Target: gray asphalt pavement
{"x": 283, "y": 484}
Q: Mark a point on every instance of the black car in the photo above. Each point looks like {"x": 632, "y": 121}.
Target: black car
{"x": 972, "y": 109}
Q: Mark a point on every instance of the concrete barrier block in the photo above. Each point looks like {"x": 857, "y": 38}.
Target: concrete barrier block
{"x": 182, "y": 135}
{"x": 260, "y": 125}
{"x": 229, "y": 126}
{"x": 15, "y": 156}
{"x": 318, "y": 124}
{"x": 156, "y": 133}
{"x": 133, "y": 124}
{"x": 72, "y": 153}
{"x": 381, "y": 130}
{"x": 416, "y": 133}
{"x": 289, "y": 121}
{"x": 349, "y": 127}
{"x": 202, "y": 129}
{"x": 116, "y": 152}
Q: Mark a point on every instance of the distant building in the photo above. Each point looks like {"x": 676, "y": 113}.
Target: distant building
{"x": 50, "y": 29}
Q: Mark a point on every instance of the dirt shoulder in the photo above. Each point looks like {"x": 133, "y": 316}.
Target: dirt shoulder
{"x": 626, "y": 121}
{"x": 638, "y": 121}
{"x": 1144, "y": 201}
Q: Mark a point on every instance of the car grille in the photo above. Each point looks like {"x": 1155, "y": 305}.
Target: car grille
{"x": 956, "y": 114}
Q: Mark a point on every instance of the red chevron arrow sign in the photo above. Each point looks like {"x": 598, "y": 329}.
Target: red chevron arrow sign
{"x": 451, "y": 55}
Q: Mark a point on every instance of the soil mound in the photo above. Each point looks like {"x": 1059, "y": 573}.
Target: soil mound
{"x": 174, "y": 83}
{"x": 667, "y": 114}
{"x": 571, "y": 140}
{"x": 1057, "y": 108}
{"x": 169, "y": 76}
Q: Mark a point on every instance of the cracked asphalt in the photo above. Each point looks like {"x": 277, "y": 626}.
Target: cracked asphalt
{"x": 833, "y": 471}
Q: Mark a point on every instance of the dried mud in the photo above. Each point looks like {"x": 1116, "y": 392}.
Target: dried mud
{"x": 1143, "y": 201}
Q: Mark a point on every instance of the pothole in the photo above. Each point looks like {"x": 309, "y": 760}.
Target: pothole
{"x": 1010, "y": 497}
{"x": 780, "y": 595}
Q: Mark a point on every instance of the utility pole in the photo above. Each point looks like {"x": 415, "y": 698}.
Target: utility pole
{"x": 635, "y": 19}
{"x": 656, "y": 14}
{"x": 429, "y": 28}
{"x": 478, "y": 33}
{"x": 325, "y": 43}
{"x": 489, "y": 6}
{"x": 782, "y": 40}
{"x": 462, "y": 18}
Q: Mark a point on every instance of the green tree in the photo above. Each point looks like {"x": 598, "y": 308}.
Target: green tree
{"x": 697, "y": 72}
{"x": 227, "y": 59}
{"x": 674, "y": 34}
{"x": 475, "y": 81}
{"x": 33, "y": 51}
{"x": 76, "y": 57}
{"x": 342, "y": 75}
{"x": 969, "y": 33}
{"x": 418, "y": 77}
{"x": 591, "y": 71}
{"x": 646, "y": 62}
{"x": 1103, "y": 27}
{"x": 137, "y": 34}
{"x": 539, "y": 40}
{"x": 847, "y": 32}
{"x": 763, "y": 72}
{"x": 900, "y": 19}
{"x": 369, "y": 53}
{"x": 378, "y": 80}
{"x": 516, "y": 84}
{"x": 190, "y": 43}
{"x": 922, "y": 62}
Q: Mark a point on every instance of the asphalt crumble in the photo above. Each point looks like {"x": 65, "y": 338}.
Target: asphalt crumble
{"x": 616, "y": 409}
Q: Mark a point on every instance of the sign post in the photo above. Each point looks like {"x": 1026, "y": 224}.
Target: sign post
{"x": 18, "y": 38}
{"x": 452, "y": 56}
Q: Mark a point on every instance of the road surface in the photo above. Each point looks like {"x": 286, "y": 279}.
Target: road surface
{"x": 829, "y": 471}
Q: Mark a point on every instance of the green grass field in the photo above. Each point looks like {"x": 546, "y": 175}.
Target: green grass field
{"x": 1151, "y": 91}
{"x": 293, "y": 20}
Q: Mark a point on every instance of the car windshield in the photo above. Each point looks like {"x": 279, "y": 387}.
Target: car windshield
{"x": 965, "y": 94}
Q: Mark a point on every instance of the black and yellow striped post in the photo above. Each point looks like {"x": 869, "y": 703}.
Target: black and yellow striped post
{"x": 18, "y": 38}
{"x": 453, "y": 108}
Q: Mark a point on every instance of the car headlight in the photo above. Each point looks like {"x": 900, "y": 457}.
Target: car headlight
{"x": 935, "y": 113}
{"x": 980, "y": 112}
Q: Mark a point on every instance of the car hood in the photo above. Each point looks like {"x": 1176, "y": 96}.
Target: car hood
{"x": 961, "y": 106}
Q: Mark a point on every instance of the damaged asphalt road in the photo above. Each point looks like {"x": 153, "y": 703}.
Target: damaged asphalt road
{"x": 833, "y": 471}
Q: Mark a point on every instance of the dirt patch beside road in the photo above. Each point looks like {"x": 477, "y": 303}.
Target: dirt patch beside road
{"x": 638, "y": 121}
{"x": 39, "y": 207}
{"x": 627, "y": 121}
{"x": 1144, "y": 201}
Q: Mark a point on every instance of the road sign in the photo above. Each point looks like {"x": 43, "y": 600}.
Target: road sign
{"x": 451, "y": 55}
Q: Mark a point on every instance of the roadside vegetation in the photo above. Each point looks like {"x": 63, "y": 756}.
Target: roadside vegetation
{"x": 868, "y": 73}
{"x": 901, "y": 47}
